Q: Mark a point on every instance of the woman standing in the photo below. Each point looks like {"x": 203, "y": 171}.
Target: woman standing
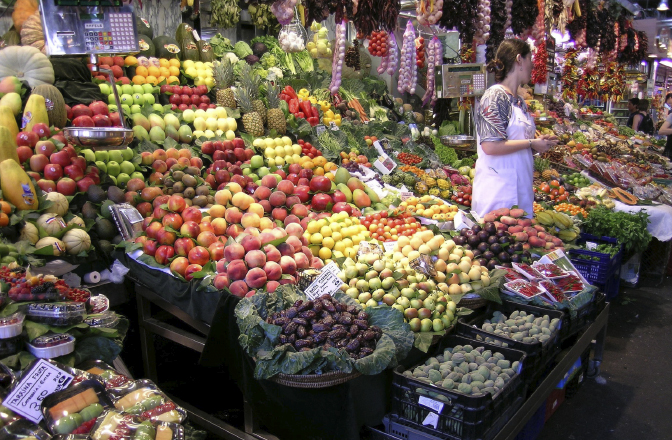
{"x": 505, "y": 132}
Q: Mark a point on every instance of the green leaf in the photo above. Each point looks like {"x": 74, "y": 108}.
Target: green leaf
{"x": 150, "y": 261}
{"x": 170, "y": 143}
{"x": 248, "y": 138}
{"x": 232, "y": 113}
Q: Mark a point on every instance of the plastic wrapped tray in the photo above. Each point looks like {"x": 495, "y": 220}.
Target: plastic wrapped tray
{"x": 23, "y": 430}
{"x": 75, "y": 409}
{"x": 51, "y": 346}
{"x": 110, "y": 377}
{"x": 106, "y": 319}
{"x": 12, "y": 325}
{"x": 57, "y": 314}
{"x": 144, "y": 399}
{"x": 114, "y": 424}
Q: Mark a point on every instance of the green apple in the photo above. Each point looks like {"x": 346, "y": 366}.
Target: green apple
{"x": 135, "y": 108}
{"x": 138, "y": 89}
{"x": 89, "y": 155}
{"x": 158, "y": 108}
{"x": 116, "y": 156}
{"x": 113, "y": 179}
{"x": 126, "y": 108}
{"x": 119, "y": 92}
{"x": 188, "y": 116}
{"x": 138, "y": 99}
{"x": 102, "y": 166}
{"x": 127, "y": 154}
{"x": 102, "y": 156}
{"x": 263, "y": 171}
{"x": 257, "y": 162}
{"x": 127, "y": 89}
{"x": 247, "y": 171}
{"x": 122, "y": 179}
{"x": 113, "y": 168}
{"x": 104, "y": 88}
{"x": 127, "y": 167}
{"x": 148, "y": 88}
{"x": 137, "y": 175}
{"x": 110, "y": 99}
{"x": 112, "y": 107}
{"x": 149, "y": 98}
{"x": 253, "y": 176}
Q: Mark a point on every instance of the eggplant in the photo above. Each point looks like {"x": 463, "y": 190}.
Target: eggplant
{"x": 476, "y": 229}
{"x": 489, "y": 255}
{"x": 490, "y": 228}
{"x": 483, "y": 236}
{"x": 496, "y": 248}
{"x": 492, "y": 239}
{"x": 482, "y": 247}
{"x": 460, "y": 240}
{"x": 491, "y": 264}
{"x": 473, "y": 241}
{"x": 504, "y": 257}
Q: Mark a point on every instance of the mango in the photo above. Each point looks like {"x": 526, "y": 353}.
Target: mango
{"x": 354, "y": 183}
{"x": 360, "y": 199}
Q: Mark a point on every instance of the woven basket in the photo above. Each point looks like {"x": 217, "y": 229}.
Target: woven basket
{"x": 314, "y": 381}
{"x": 473, "y": 303}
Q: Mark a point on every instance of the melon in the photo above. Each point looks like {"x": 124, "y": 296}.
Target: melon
{"x": 59, "y": 204}
{"x": 57, "y": 245}
{"x": 166, "y": 47}
{"x": 206, "y": 54}
{"x": 143, "y": 27}
{"x": 146, "y": 46}
{"x": 51, "y": 223}
{"x": 76, "y": 241}
{"x": 29, "y": 233}
{"x": 55, "y": 104}
{"x": 189, "y": 50}
{"x": 76, "y": 221}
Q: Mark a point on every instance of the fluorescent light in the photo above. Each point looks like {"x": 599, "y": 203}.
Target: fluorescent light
{"x": 663, "y": 5}
{"x": 653, "y": 55}
{"x": 666, "y": 62}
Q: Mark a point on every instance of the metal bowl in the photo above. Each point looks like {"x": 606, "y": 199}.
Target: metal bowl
{"x": 590, "y": 116}
{"x": 100, "y": 138}
{"x": 458, "y": 141}
{"x": 545, "y": 121}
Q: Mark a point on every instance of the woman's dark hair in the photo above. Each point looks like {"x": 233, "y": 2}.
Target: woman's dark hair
{"x": 506, "y": 56}
{"x": 634, "y": 101}
{"x": 643, "y": 105}
{"x": 668, "y": 96}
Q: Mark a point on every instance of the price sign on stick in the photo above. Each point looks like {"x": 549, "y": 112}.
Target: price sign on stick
{"x": 327, "y": 282}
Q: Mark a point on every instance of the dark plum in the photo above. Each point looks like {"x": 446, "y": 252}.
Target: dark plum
{"x": 460, "y": 240}
{"x": 473, "y": 241}
{"x": 492, "y": 239}
{"x": 496, "y": 248}
{"x": 483, "y": 236}
{"x": 491, "y": 264}
{"x": 476, "y": 253}
{"x": 490, "y": 228}
{"x": 476, "y": 228}
{"x": 505, "y": 239}
{"x": 518, "y": 247}
{"x": 501, "y": 234}
{"x": 504, "y": 257}
{"x": 516, "y": 258}
{"x": 467, "y": 247}
{"x": 463, "y": 231}
{"x": 482, "y": 261}
{"x": 482, "y": 247}
{"x": 489, "y": 255}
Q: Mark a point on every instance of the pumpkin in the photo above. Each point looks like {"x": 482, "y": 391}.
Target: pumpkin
{"x": 26, "y": 63}
{"x": 51, "y": 223}
{"x": 76, "y": 241}
{"x": 59, "y": 204}
{"x": 11, "y": 38}
{"x": 57, "y": 245}
{"x": 77, "y": 221}
{"x": 58, "y": 115}
{"x": 22, "y": 10}
{"x": 32, "y": 34}
{"x": 30, "y": 233}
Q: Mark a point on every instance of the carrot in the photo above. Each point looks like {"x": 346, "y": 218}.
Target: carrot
{"x": 354, "y": 104}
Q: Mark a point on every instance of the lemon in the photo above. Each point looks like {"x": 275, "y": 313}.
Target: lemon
{"x": 268, "y": 152}
{"x": 313, "y": 227}
{"x": 199, "y": 65}
{"x": 279, "y": 161}
{"x": 316, "y": 238}
{"x": 347, "y": 242}
{"x": 325, "y": 231}
{"x": 335, "y": 227}
{"x": 336, "y": 236}
{"x": 328, "y": 242}
{"x": 337, "y": 254}
{"x": 347, "y": 221}
{"x": 286, "y": 141}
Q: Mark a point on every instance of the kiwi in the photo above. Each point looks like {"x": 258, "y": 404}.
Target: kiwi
{"x": 200, "y": 201}
{"x": 115, "y": 194}
{"x": 211, "y": 200}
{"x": 189, "y": 193}
{"x": 177, "y": 175}
{"x": 190, "y": 181}
{"x": 188, "y": 202}
{"x": 96, "y": 194}
{"x": 168, "y": 182}
{"x": 193, "y": 171}
{"x": 203, "y": 190}
{"x": 178, "y": 187}
{"x": 178, "y": 194}
{"x": 168, "y": 191}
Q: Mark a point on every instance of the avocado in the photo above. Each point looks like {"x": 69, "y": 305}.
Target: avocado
{"x": 117, "y": 239}
{"x": 89, "y": 210}
{"x": 105, "y": 229}
{"x": 96, "y": 194}
{"x": 105, "y": 246}
{"x": 115, "y": 194}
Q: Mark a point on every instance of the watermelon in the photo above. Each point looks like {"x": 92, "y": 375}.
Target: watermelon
{"x": 166, "y": 47}
{"x": 146, "y": 46}
{"x": 143, "y": 27}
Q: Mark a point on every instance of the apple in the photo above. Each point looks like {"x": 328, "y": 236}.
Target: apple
{"x": 175, "y": 99}
{"x": 74, "y": 172}
{"x": 45, "y": 147}
{"x": 66, "y": 186}
{"x": 186, "y": 99}
{"x": 83, "y": 121}
{"x": 182, "y": 107}
{"x": 70, "y": 150}
{"x": 80, "y": 161}
{"x": 38, "y": 162}
{"x": 53, "y": 172}
{"x": 27, "y": 138}
{"x": 42, "y": 130}
{"x": 99, "y": 108}
{"x": 82, "y": 110}
{"x": 46, "y": 185}
{"x": 84, "y": 184}
{"x": 25, "y": 153}
{"x": 61, "y": 158}
{"x": 102, "y": 120}
{"x": 321, "y": 202}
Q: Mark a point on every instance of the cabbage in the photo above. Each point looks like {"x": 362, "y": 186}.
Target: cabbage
{"x": 242, "y": 49}
{"x": 268, "y": 60}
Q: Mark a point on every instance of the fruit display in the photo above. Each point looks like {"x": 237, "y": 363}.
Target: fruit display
{"x": 492, "y": 247}
{"x": 336, "y": 236}
{"x": 384, "y": 227}
{"x": 532, "y": 232}
{"x": 429, "y": 207}
{"x": 520, "y": 326}
{"x": 558, "y": 224}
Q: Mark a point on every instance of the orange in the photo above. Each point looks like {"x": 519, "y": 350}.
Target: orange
{"x": 330, "y": 166}
{"x": 142, "y": 71}
{"x": 5, "y": 207}
{"x": 163, "y": 62}
{"x": 320, "y": 161}
{"x": 152, "y": 80}
{"x": 174, "y": 71}
{"x": 173, "y": 80}
{"x": 174, "y": 62}
{"x": 319, "y": 171}
{"x": 138, "y": 80}
{"x": 153, "y": 71}
{"x": 131, "y": 61}
{"x": 308, "y": 165}
{"x": 159, "y": 79}
{"x": 4, "y": 219}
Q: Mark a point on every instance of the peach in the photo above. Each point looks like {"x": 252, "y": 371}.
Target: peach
{"x": 206, "y": 226}
{"x": 256, "y": 278}
{"x": 294, "y": 229}
{"x": 288, "y": 280}
{"x": 192, "y": 213}
{"x": 269, "y": 181}
{"x": 239, "y": 288}
{"x": 286, "y": 249}
{"x": 234, "y": 251}
{"x": 299, "y": 210}
{"x": 219, "y": 226}
{"x": 191, "y": 270}
{"x": 190, "y": 229}
{"x": 160, "y": 154}
{"x": 251, "y": 243}
{"x": 266, "y": 224}
{"x": 266, "y": 205}
{"x": 179, "y": 265}
{"x": 306, "y": 250}
{"x": 216, "y": 250}
{"x": 304, "y": 222}
{"x": 316, "y": 263}
{"x": 288, "y": 265}
{"x": 166, "y": 237}
{"x": 286, "y": 187}
{"x": 292, "y": 219}
{"x": 153, "y": 229}
{"x": 234, "y": 187}
{"x": 279, "y": 214}
{"x": 220, "y": 282}
{"x": 302, "y": 261}
{"x": 266, "y": 237}
{"x": 262, "y": 193}
{"x": 236, "y": 270}
{"x": 255, "y": 259}
{"x": 250, "y": 219}
{"x": 278, "y": 198}
{"x": 234, "y": 230}
{"x": 221, "y": 266}
{"x": 294, "y": 242}
{"x": 233, "y": 215}
{"x": 273, "y": 271}
{"x": 293, "y": 201}
{"x": 223, "y": 197}
{"x": 271, "y": 286}
{"x": 256, "y": 208}
{"x": 183, "y": 246}
{"x": 206, "y": 238}
{"x": 242, "y": 201}
{"x": 217, "y": 211}
{"x": 199, "y": 255}
{"x": 272, "y": 253}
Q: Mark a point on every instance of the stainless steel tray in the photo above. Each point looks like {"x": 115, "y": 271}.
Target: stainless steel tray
{"x": 458, "y": 141}
{"x": 100, "y": 137}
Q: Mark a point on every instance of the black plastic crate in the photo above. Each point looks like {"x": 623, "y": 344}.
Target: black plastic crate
{"x": 538, "y": 355}
{"x": 460, "y": 416}
{"x": 375, "y": 433}
{"x": 584, "y": 316}
{"x": 600, "y": 270}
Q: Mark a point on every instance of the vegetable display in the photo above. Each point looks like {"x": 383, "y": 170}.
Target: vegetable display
{"x": 225, "y": 13}
{"x": 520, "y": 326}
{"x": 408, "y": 72}
{"x": 628, "y": 228}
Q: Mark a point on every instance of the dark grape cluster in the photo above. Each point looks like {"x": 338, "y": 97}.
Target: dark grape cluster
{"x": 352, "y": 167}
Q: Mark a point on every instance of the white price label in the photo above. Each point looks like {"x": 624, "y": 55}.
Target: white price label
{"x": 431, "y": 403}
{"x": 389, "y": 246}
{"x": 327, "y": 283}
{"x": 332, "y": 267}
{"x": 405, "y": 195}
{"x": 333, "y": 126}
{"x": 319, "y": 129}
{"x": 591, "y": 246}
{"x": 36, "y": 384}
{"x": 196, "y": 37}
{"x": 431, "y": 419}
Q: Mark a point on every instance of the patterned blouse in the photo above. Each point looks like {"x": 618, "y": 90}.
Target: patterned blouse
{"x": 494, "y": 112}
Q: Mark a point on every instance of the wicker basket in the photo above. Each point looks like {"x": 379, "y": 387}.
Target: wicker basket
{"x": 473, "y": 303}
{"x": 314, "y": 381}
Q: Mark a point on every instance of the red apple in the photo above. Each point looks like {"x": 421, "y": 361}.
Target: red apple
{"x": 338, "y": 196}
{"x": 186, "y": 99}
{"x": 70, "y": 150}
{"x": 99, "y": 108}
{"x": 25, "y": 153}
{"x": 294, "y": 168}
{"x": 177, "y": 90}
{"x": 342, "y": 206}
{"x": 46, "y": 185}
{"x": 102, "y": 121}
{"x": 27, "y": 138}
{"x": 320, "y": 184}
{"x": 38, "y": 162}
{"x": 115, "y": 119}
{"x": 186, "y": 90}
{"x": 42, "y": 130}
{"x": 195, "y": 100}
{"x": 45, "y": 147}
{"x": 303, "y": 193}
{"x": 205, "y": 100}
{"x": 321, "y": 202}
{"x": 175, "y": 99}
{"x": 61, "y": 158}
{"x": 182, "y": 107}
{"x": 54, "y": 172}
{"x": 84, "y": 184}
{"x": 68, "y": 111}
{"x": 83, "y": 121}
{"x": 66, "y": 186}
{"x": 208, "y": 148}
{"x": 193, "y": 214}
{"x": 81, "y": 163}
{"x": 33, "y": 175}
{"x": 82, "y": 110}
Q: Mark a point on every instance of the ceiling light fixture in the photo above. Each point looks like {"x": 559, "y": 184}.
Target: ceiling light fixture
{"x": 666, "y": 62}
{"x": 663, "y": 5}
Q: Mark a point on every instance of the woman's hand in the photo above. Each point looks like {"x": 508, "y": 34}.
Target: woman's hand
{"x": 544, "y": 143}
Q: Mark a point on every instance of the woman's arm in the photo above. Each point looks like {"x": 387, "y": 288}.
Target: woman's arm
{"x": 498, "y": 148}
{"x": 636, "y": 120}
{"x": 666, "y": 128}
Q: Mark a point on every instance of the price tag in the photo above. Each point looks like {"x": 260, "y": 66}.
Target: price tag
{"x": 332, "y": 267}
{"x": 389, "y": 246}
{"x": 327, "y": 282}
{"x": 36, "y": 384}
{"x": 591, "y": 246}
{"x": 196, "y": 37}
{"x": 431, "y": 403}
{"x": 319, "y": 129}
{"x": 405, "y": 195}
{"x": 333, "y": 126}
{"x": 431, "y": 419}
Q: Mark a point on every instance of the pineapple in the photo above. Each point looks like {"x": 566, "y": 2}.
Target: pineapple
{"x": 251, "y": 120}
{"x": 276, "y": 118}
{"x": 549, "y": 174}
{"x": 223, "y": 73}
{"x": 252, "y": 82}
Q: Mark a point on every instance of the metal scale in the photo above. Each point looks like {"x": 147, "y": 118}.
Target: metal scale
{"x": 100, "y": 27}
{"x": 461, "y": 81}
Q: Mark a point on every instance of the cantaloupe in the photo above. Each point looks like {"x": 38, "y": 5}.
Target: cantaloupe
{"x": 17, "y": 188}
{"x": 76, "y": 241}
{"x": 35, "y": 112}
{"x": 30, "y": 233}
{"x": 57, "y": 245}
{"x": 54, "y": 103}
{"x": 51, "y": 223}
{"x": 59, "y": 203}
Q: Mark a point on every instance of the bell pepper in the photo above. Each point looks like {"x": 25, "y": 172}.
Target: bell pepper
{"x": 338, "y": 119}
{"x": 304, "y": 93}
{"x": 284, "y": 96}
{"x": 289, "y": 91}
{"x": 306, "y": 108}
{"x": 313, "y": 121}
{"x": 291, "y": 121}
{"x": 326, "y": 120}
{"x": 328, "y": 114}
{"x": 312, "y": 99}
{"x": 293, "y": 105}
{"x": 324, "y": 106}
{"x": 284, "y": 107}
{"x": 314, "y": 113}
{"x": 300, "y": 115}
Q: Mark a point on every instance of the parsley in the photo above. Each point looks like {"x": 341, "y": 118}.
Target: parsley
{"x": 629, "y": 229}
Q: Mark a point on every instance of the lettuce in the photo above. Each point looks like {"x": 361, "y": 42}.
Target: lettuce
{"x": 242, "y": 49}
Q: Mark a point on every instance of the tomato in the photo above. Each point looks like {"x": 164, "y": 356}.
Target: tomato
{"x": 555, "y": 183}
{"x": 383, "y": 214}
{"x": 377, "y": 216}
{"x": 544, "y": 187}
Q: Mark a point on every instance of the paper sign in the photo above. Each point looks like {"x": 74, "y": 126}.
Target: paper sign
{"x": 332, "y": 267}
{"x": 36, "y": 384}
{"x": 327, "y": 283}
{"x": 389, "y": 246}
{"x": 366, "y": 247}
{"x": 591, "y": 246}
{"x": 405, "y": 195}
{"x": 333, "y": 126}
{"x": 386, "y": 166}
{"x": 431, "y": 419}
{"x": 319, "y": 129}
{"x": 196, "y": 37}
{"x": 377, "y": 188}
{"x": 431, "y": 403}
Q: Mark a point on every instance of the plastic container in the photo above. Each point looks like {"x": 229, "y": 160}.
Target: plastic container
{"x": 10, "y": 346}
{"x": 106, "y": 319}
{"x": 116, "y": 424}
{"x": 596, "y": 272}
{"x": 57, "y": 314}
{"x": 110, "y": 377}
{"x": 51, "y": 346}
{"x": 98, "y": 304}
{"x": 12, "y": 325}
{"x": 144, "y": 399}
{"x": 538, "y": 355}
{"x": 75, "y": 409}
{"x": 373, "y": 433}
{"x": 46, "y": 291}
{"x": 459, "y": 416}
{"x": 23, "y": 430}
